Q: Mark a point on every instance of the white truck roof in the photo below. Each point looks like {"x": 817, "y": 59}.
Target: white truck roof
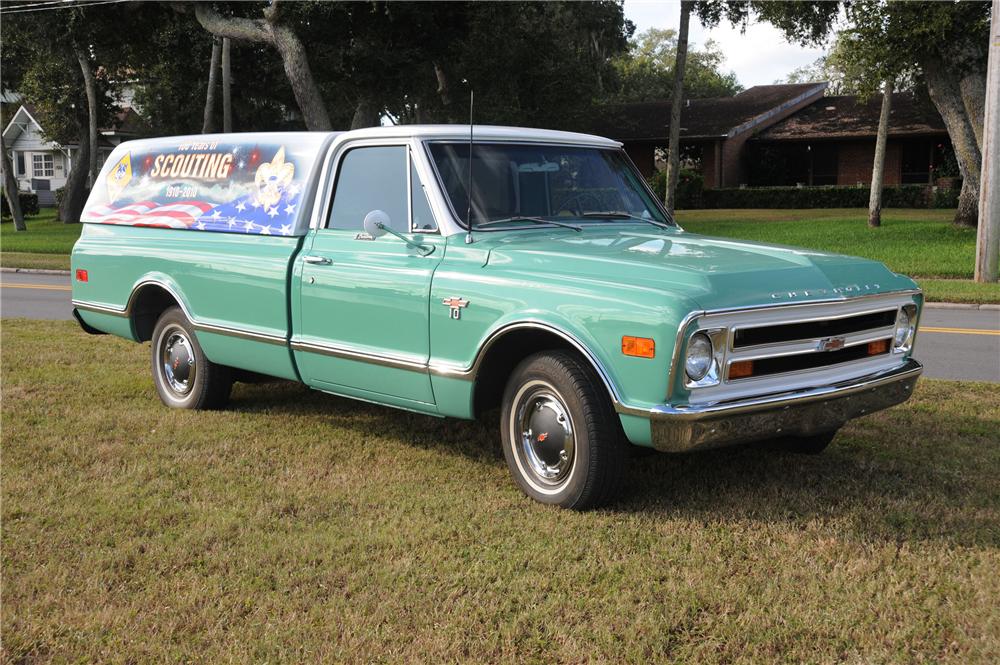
{"x": 252, "y": 183}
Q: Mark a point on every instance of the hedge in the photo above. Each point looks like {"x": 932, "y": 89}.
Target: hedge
{"x": 29, "y": 204}
{"x": 903, "y": 196}
{"x": 690, "y": 186}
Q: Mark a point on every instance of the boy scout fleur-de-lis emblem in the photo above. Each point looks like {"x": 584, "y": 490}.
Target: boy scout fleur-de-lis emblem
{"x": 456, "y": 304}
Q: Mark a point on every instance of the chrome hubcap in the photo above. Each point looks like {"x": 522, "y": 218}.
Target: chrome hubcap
{"x": 547, "y": 444}
{"x": 177, "y": 360}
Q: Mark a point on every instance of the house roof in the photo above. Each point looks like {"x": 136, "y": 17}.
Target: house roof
{"x": 714, "y": 117}
{"x": 127, "y": 123}
{"x": 845, "y": 116}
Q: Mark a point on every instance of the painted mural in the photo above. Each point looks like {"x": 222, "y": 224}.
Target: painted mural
{"x": 253, "y": 185}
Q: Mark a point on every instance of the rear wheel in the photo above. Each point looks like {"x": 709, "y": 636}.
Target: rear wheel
{"x": 184, "y": 377}
{"x": 561, "y": 439}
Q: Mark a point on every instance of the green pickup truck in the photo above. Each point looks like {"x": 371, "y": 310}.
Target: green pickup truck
{"x": 529, "y": 270}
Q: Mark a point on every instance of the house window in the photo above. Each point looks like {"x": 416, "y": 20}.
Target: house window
{"x": 916, "y": 163}
{"x": 41, "y": 166}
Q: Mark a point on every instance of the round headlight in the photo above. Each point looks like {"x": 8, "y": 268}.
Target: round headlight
{"x": 699, "y": 357}
{"x": 904, "y": 328}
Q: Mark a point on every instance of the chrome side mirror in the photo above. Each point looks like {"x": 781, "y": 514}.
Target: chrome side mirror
{"x": 376, "y": 222}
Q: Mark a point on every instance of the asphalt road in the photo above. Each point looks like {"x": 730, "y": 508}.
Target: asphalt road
{"x": 952, "y": 343}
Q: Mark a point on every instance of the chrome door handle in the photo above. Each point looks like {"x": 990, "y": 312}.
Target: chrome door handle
{"x": 318, "y": 260}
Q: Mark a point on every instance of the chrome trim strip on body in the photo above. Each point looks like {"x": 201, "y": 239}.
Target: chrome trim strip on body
{"x": 99, "y": 308}
{"x": 240, "y": 333}
{"x": 396, "y": 362}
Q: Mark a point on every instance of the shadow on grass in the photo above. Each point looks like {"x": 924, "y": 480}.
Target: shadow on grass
{"x": 877, "y": 481}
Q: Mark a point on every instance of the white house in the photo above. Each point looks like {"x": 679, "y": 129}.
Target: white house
{"x": 42, "y": 166}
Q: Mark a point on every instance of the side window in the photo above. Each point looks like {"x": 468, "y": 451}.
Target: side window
{"x": 372, "y": 178}
{"x": 423, "y": 219}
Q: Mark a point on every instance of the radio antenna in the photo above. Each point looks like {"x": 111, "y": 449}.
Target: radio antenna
{"x": 468, "y": 212}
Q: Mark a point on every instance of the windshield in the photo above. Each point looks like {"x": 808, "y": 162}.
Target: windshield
{"x": 519, "y": 185}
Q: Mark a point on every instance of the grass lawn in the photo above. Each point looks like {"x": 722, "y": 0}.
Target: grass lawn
{"x": 45, "y": 235}
{"x": 298, "y": 526}
{"x": 920, "y": 243}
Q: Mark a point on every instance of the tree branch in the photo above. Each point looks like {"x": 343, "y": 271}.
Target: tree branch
{"x": 245, "y": 29}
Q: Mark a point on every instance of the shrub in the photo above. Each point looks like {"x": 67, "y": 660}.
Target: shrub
{"x": 903, "y": 196}
{"x": 29, "y": 204}
{"x": 690, "y": 185}
{"x": 945, "y": 198}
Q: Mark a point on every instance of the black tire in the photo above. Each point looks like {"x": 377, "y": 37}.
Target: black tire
{"x": 189, "y": 380}
{"x": 808, "y": 445}
{"x": 550, "y": 391}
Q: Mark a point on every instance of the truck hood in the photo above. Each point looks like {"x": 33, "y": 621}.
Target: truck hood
{"x": 714, "y": 272}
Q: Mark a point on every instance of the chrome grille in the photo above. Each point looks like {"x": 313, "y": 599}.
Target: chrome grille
{"x": 796, "y": 346}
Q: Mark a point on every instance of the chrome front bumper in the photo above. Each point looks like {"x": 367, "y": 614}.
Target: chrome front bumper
{"x": 798, "y": 413}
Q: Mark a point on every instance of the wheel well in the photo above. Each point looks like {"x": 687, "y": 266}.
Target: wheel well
{"x": 504, "y": 355}
{"x": 147, "y": 306}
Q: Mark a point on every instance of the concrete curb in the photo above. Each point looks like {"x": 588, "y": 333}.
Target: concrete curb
{"x": 37, "y": 271}
{"x": 961, "y": 305}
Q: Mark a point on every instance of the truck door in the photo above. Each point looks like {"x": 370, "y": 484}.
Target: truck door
{"x": 361, "y": 323}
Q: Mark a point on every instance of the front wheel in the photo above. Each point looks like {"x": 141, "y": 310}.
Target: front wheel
{"x": 561, "y": 438}
{"x": 184, "y": 377}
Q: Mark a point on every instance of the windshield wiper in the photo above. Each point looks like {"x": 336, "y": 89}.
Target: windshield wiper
{"x": 536, "y": 220}
{"x": 620, "y": 214}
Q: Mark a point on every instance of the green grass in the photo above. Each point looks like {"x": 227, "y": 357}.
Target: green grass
{"x": 29, "y": 260}
{"x": 297, "y": 526}
{"x": 959, "y": 290}
{"x": 920, "y": 243}
{"x": 45, "y": 235}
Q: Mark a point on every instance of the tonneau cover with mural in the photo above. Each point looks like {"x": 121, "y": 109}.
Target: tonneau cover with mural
{"x": 230, "y": 183}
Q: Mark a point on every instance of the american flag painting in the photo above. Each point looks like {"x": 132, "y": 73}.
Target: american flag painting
{"x": 244, "y": 215}
{"x": 255, "y": 196}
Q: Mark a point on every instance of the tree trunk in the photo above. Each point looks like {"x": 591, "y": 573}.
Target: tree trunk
{"x": 10, "y": 189}
{"x": 973, "y": 87}
{"x": 878, "y": 168}
{"x": 674, "y": 149}
{"x": 227, "y": 92}
{"x": 366, "y": 114}
{"x": 90, "y": 86}
{"x": 293, "y": 55}
{"x": 208, "y": 122}
{"x": 75, "y": 194}
{"x": 443, "y": 91}
{"x": 988, "y": 236}
{"x": 946, "y": 95}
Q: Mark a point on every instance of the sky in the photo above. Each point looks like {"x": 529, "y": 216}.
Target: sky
{"x": 760, "y": 56}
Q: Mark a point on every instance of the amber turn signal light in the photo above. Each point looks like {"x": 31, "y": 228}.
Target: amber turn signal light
{"x": 878, "y": 347}
{"x": 640, "y": 347}
{"x": 741, "y": 369}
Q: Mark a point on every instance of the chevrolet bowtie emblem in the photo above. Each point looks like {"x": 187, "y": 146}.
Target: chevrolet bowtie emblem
{"x": 456, "y": 305}
{"x": 831, "y": 344}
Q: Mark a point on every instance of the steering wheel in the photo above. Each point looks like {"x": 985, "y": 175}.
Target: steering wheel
{"x": 578, "y": 202}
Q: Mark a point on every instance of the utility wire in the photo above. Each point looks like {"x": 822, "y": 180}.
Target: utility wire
{"x": 24, "y": 9}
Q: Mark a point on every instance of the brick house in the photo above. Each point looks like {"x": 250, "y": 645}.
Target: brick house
{"x": 832, "y": 142}
{"x": 714, "y": 131}
{"x": 789, "y": 134}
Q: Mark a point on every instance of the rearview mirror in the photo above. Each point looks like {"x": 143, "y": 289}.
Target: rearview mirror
{"x": 376, "y": 222}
